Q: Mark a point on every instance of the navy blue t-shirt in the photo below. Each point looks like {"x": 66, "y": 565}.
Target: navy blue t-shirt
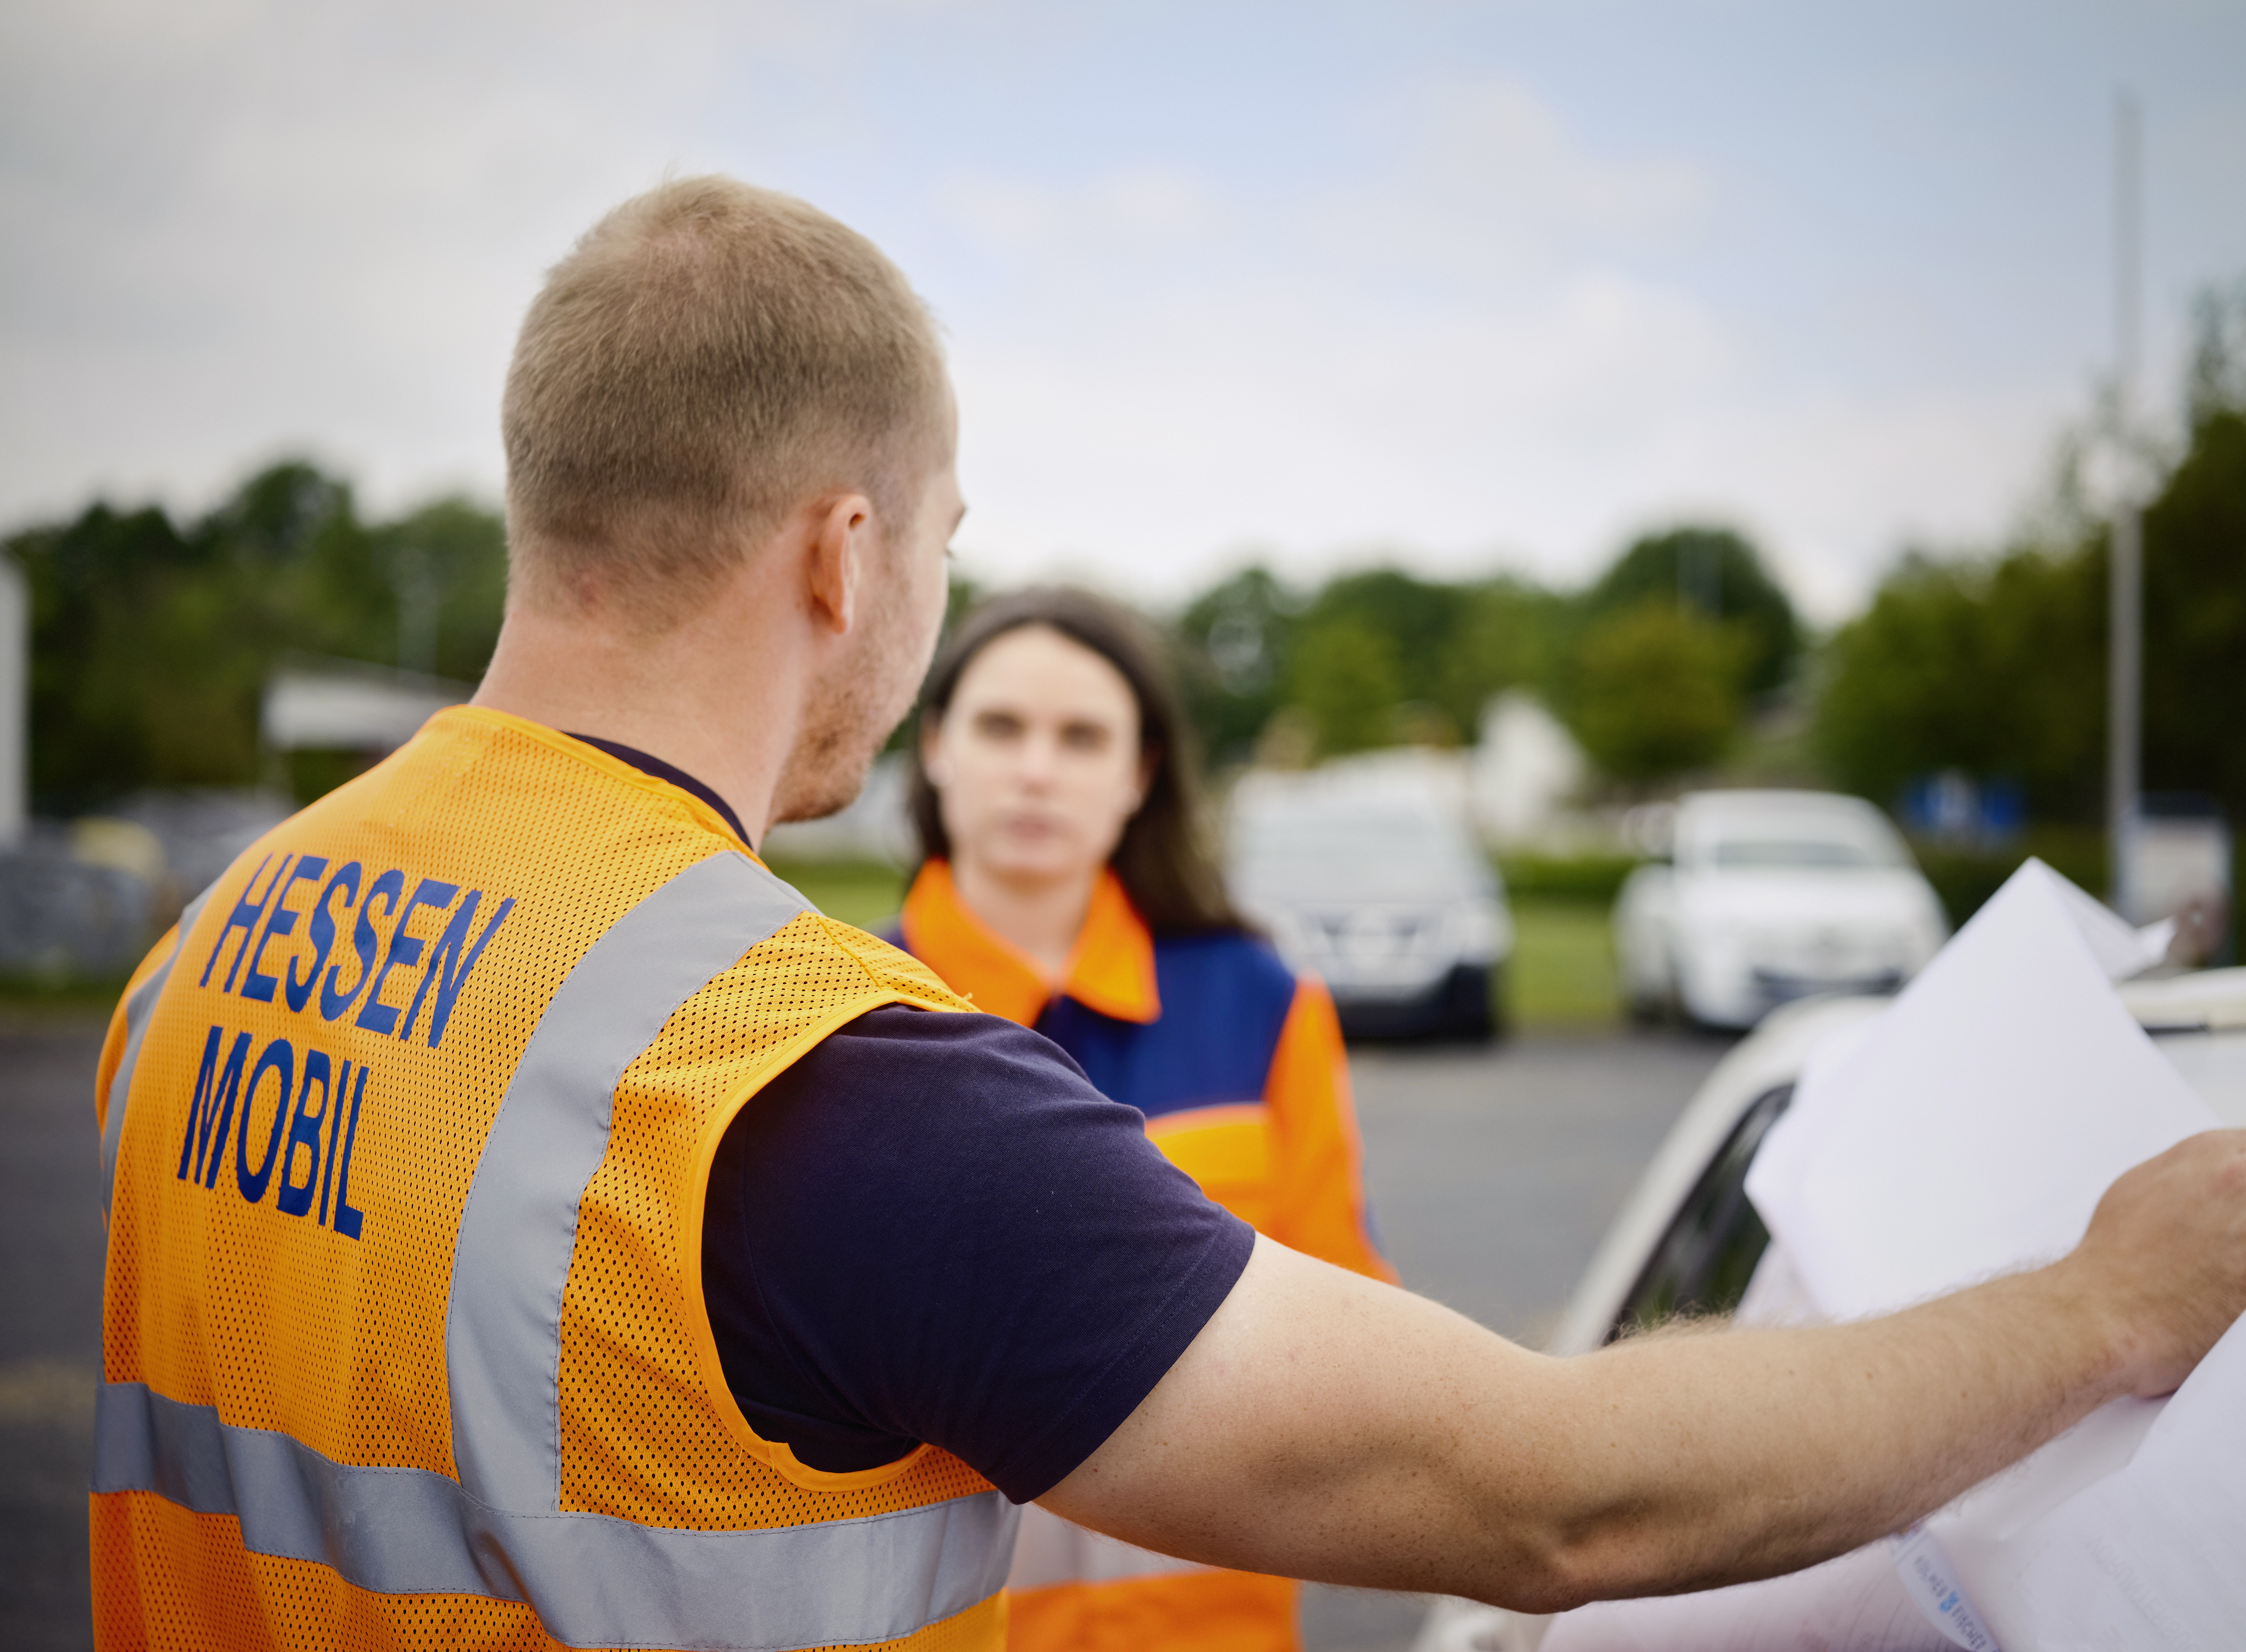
{"x": 932, "y": 1227}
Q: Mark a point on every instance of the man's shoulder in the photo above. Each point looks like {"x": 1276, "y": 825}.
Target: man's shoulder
{"x": 885, "y": 960}
{"x": 912, "y": 1049}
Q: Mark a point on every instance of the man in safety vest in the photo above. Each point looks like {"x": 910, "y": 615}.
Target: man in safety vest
{"x": 530, "y": 1223}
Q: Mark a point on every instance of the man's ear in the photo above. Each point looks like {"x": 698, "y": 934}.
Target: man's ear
{"x": 841, "y": 544}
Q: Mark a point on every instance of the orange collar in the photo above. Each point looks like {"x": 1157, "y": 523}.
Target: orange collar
{"x": 1111, "y": 968}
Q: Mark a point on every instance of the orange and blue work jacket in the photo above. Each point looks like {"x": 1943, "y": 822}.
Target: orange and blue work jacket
{"x": 1239, "y": 1068}
{"x": 405, "y": 1134}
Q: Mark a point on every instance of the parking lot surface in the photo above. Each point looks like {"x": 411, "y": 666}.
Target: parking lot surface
{"x": 1492, "y": 1173}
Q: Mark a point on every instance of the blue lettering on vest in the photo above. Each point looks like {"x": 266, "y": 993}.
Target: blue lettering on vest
{"x": 452, "y": 945}
{"x": 347, "y": 1220}
{"x": 202, "y": 1109}
{"x": 335, "y": 1140}
{"x": 334, "y": 1002}
{"x": 279, "y": 1056}
{"x": 389, "y": 889}
{"x": 321, "y": 932}
{"x": 304, "y": 1132}
{"x": 293, "y": 1142}
{"x": 211, "y": 1114}
{"x": 272, "y": 894}
{"x": 404, "y": 951}
{"x": 244, "y": 917}
{"x": 280, "y": 922}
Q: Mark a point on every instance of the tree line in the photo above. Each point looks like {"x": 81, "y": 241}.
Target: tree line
{"x": 152, "y": 638}
{"x": 1997, "y": 664}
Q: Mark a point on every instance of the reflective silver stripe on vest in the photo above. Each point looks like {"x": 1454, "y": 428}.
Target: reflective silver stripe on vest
{"x": 499, "y": 1530}
{"x": 1051, "y": 1551}
{"x": 503, "y": 1328}
{"x": 594, "y": 1581}
{"x": 138, "y": 1009}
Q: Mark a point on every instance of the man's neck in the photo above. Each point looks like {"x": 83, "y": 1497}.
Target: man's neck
{"x": 709, "y": 696}
{"x": 1040, "y": 917}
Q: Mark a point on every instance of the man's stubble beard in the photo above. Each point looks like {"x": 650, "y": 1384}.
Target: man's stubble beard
{"x": 827, "y": 769}
{"x": 844, "y": 725}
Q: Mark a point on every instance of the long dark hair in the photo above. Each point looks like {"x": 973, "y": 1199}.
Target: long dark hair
{"x": 1161, "y": 860}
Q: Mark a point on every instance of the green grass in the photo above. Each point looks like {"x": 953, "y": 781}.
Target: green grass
{"x": 1576, "y": 878}
{"x": 864, "y": 893}
{"x": 1561, "y": 976}
{"x": 1562, "y": 973}
{"x": 64, "y": 997}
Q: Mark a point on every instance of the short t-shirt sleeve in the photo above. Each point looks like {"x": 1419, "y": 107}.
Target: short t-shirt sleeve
{"x": 931, "y": 1227}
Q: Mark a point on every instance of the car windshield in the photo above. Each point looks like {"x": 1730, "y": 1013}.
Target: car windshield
{"x": 1819, "y": 852}
{"x": 1372, "y": 855}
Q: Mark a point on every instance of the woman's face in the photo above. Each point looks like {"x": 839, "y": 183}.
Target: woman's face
{"x": 1036, "y": 764}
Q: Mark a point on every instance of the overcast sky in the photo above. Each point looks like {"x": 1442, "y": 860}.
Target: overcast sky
{"x": 1488, "y": 286}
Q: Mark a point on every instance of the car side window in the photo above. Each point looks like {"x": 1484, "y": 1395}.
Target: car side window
{"x": 1703, "y": 1262}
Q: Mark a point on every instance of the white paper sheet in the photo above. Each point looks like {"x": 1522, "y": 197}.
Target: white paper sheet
{"x": 1856, "y": 1603}
{"x": 1975, "y": 1126}
{"x": 2153, "y": 1556}
{"x": 1971, "y": 1129}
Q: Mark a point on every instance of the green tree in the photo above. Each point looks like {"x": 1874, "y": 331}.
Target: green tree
{"x": 448, "y": 557}
{"x": 1995, "y": 668}
{"x": 1507, "y": 633}
{"x": 1716, "y": 573}
{"x": 1233, "y": 643}
{"x": 1345, "y": 673}
{"x": 1656, "y": 691}
{"x": 1445, "y": 647}
{"x": 2196, "y": 618}
{"x": 1998, "y": 666}
{"x": 150, "y": 643}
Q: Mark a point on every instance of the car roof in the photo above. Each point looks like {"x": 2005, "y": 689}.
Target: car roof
{"x": 1699, "y": 807}
{"x": 2199, "y": 1019}
{"x": 2200, "y": 1000}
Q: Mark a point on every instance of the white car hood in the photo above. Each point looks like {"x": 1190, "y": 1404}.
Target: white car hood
{"x": 1786, "y": 898}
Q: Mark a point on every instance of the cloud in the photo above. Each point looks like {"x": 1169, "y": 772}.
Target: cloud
{"x": 240, "y": 224}
{"x": 1145, "y": 208}
{"x": 1474, "y": 358}
{"x": 1472, "y": 324}
{"x": 1485, "y": 178}
{"x": 1294, "y": 414}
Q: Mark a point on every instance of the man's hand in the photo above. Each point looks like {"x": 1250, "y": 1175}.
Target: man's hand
{"x": 1325, "y": 1426}
{"x": 2167, "y": 1249}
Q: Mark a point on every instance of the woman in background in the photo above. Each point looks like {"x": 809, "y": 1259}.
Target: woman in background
{"x": 1064, "y": 885}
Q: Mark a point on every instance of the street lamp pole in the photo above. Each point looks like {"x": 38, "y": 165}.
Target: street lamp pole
{"x": 2125, "y": 688}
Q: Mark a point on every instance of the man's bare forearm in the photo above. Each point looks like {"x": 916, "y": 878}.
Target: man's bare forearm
{"x": 1325, "y": 1426}
{"x": 1742, "y": 1454}
{"x": 1459, "y": 1462}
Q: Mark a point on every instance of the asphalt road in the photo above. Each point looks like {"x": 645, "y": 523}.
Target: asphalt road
{"x": 1493, "y": 1173}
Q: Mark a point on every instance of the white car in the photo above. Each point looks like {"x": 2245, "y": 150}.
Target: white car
{"x": 1374, "y": 884}
{"x": 1689, "y": 1240}
{"x": 1771, "y": 896}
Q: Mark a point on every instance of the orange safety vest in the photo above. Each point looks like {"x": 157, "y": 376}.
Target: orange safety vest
{"x": 405, "y": 1130}
{"x": 1283, "y": 1157}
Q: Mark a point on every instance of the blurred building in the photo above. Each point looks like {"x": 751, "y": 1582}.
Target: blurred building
{"x": 2180, "y": 856}
{"x": 348, "y": 706}
{"x": 1525, "y": 771}
{"x": 15, "y": 703}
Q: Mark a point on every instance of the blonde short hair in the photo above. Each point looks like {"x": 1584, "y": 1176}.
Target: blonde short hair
{"x": 708, "y": 356}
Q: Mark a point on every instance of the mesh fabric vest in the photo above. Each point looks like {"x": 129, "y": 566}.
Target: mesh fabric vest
{"x": 405, "y": 1134}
